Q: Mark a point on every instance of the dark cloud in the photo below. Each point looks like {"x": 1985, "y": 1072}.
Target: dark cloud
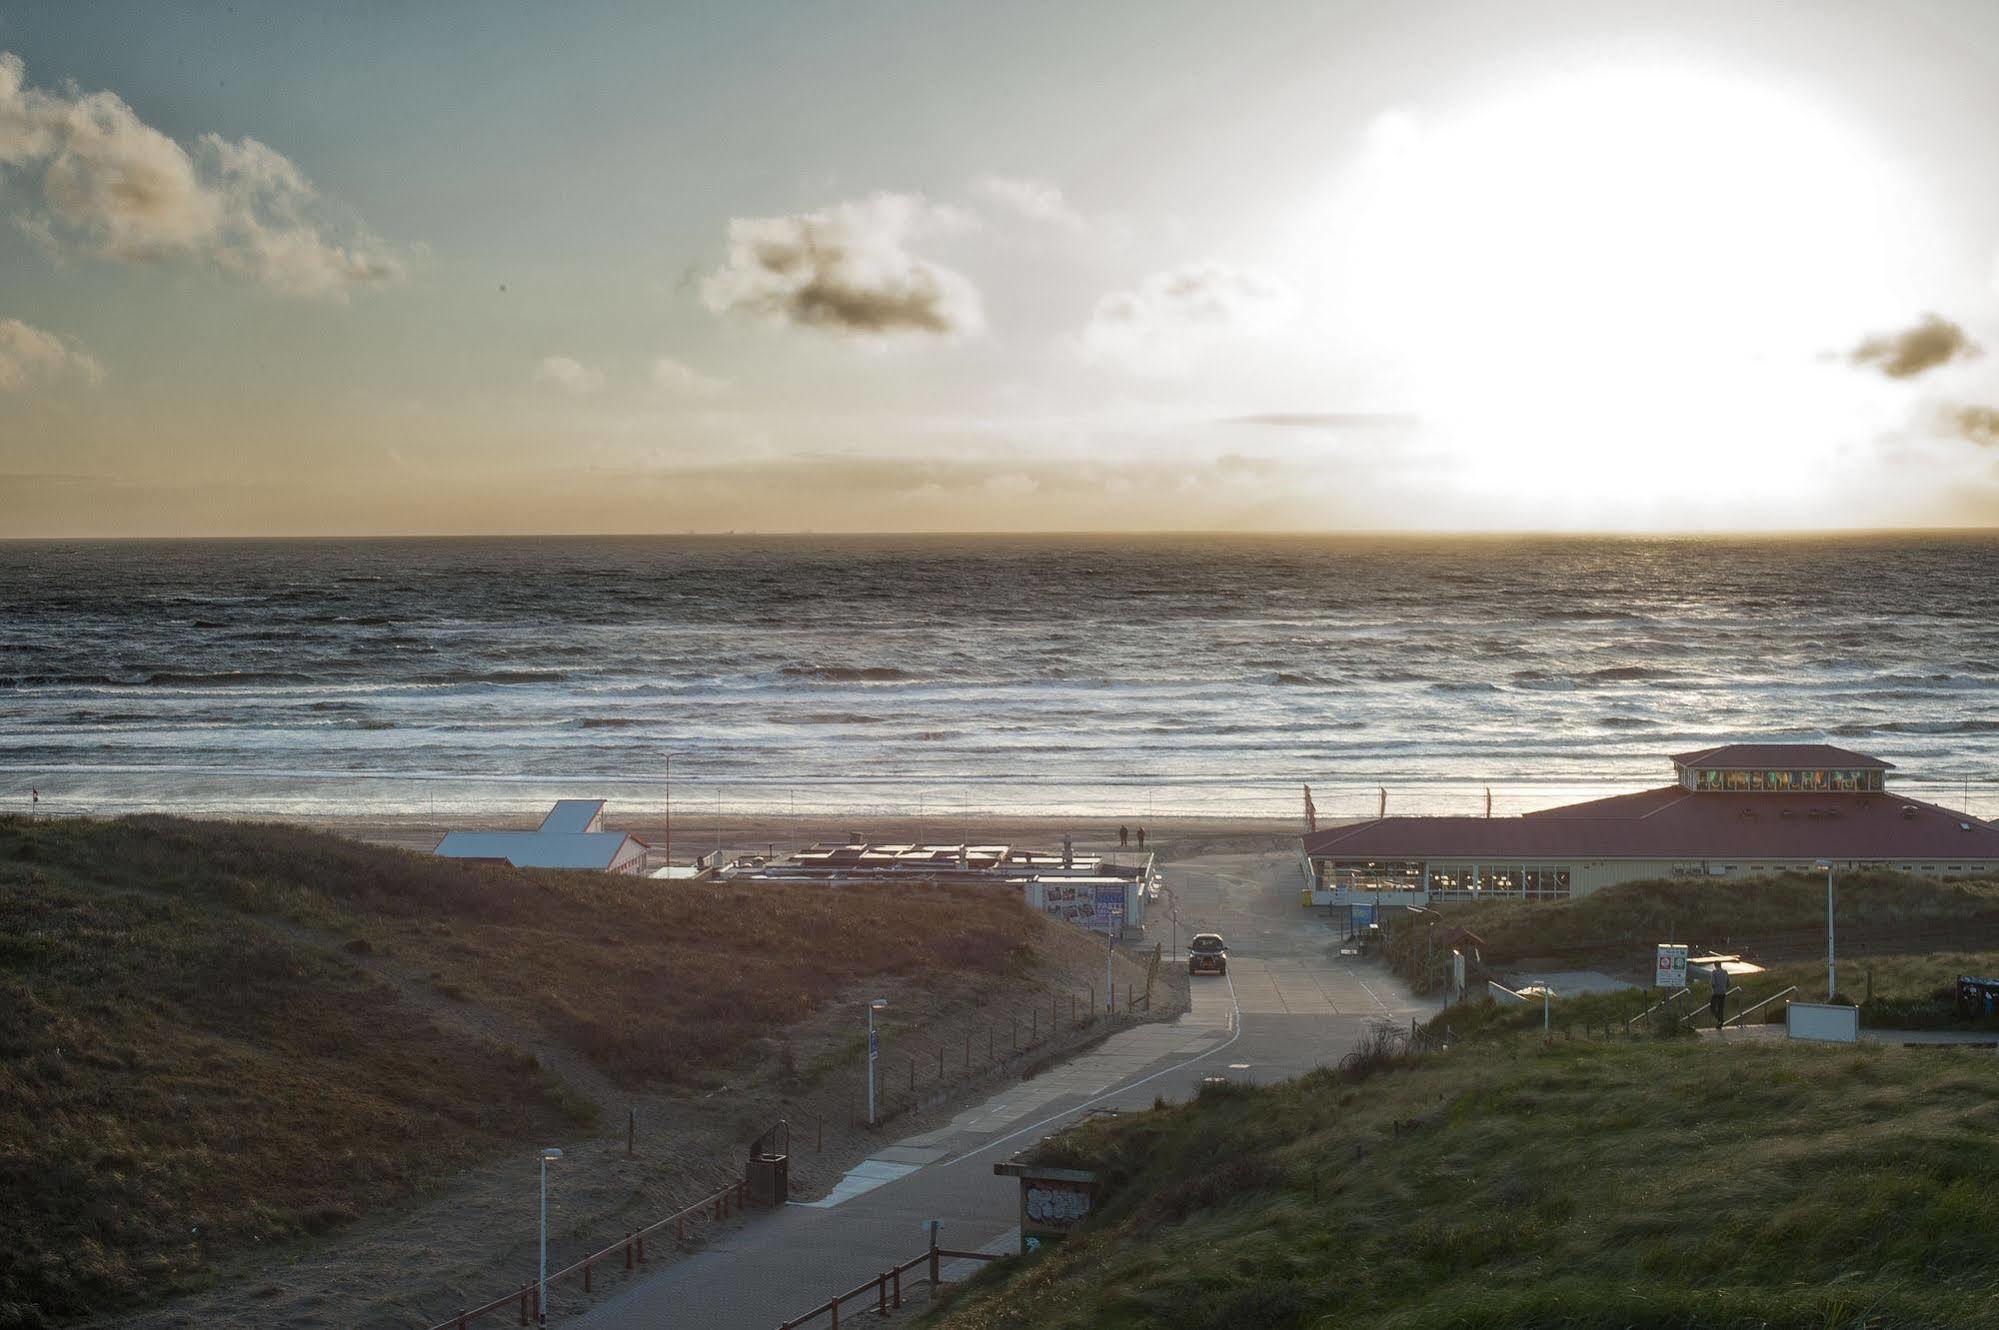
{"x": 846, "y": 270}
{"x": 1904, "y": 355}
{"x": 1980, "y": 424}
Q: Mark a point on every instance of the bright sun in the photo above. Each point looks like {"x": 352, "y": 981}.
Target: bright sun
{"x": 1617, "y": 288}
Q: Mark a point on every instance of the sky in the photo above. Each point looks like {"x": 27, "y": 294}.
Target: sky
{"x": 600, "y": 267}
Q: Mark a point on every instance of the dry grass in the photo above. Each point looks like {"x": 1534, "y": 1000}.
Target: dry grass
{"x": 1508, "y": 1184}
{"x": 185, "y": 1078}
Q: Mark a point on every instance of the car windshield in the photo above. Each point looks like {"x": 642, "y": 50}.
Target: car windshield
{"x": 1209, "y": 942}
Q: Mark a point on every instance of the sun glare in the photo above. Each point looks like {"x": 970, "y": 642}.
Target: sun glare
{"x": 1613, "y": 290}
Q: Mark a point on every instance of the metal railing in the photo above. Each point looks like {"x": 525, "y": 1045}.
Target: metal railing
{"x": 886, "y": 1287}
{"x": 1759, "y": 1006}
{"x": 632, "y": 1247}
{"x": 1664, "y": 1002}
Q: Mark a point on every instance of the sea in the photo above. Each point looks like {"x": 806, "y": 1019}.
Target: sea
{"x": 948, "y": 676}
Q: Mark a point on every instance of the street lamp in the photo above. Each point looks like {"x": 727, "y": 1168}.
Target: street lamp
{"x": 541, "y": 1282}
{"x": 874, "y": 1005}
{"x": 1830, "y": 987}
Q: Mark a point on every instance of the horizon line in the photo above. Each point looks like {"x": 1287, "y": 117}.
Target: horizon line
{"x": 1372, "y": 533}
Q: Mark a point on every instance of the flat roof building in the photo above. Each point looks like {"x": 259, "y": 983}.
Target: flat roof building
{"x": 1731, "y": 811}
{"x": 571, "y": 836}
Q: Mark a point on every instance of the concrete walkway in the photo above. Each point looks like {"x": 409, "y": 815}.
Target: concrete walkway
{"x": 1288, "y": 1004}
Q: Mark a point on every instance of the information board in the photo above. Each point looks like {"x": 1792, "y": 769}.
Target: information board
{"x": 1671, "y": 971}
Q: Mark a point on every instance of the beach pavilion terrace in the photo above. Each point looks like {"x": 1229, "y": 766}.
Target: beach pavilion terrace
{"x": 1732, "y": 811}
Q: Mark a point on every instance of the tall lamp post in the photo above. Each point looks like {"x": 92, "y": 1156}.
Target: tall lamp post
{"x": 874, "y": 1005}
{"x": 541, "y": 1281}
{"x": 1830, "y": 986}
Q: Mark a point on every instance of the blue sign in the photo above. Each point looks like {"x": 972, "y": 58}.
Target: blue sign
{"x": 1363, "y": 915}
{"x": 874, "y": 1045}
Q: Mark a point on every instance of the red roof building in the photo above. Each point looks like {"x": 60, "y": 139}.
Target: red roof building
{"x": 1732, "y": 811}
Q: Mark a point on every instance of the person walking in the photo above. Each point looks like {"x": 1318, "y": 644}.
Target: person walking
{"x": 1717, "y": 991}
{"x": 1123, "y": 837}
{"x": 1141, "y": 838}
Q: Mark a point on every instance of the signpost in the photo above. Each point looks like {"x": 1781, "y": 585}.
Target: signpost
{"x": 874, "y": 1050}
{"x": 1671, "y": 970}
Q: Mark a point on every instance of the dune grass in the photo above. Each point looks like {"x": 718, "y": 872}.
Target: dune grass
{"x": 192, "y": 1065}
{"x": 173, "y": 1087}
{"x": 1514, "y": 1183}
{"x": 1782, "y": 915}
{"x": 1892, "y": 992}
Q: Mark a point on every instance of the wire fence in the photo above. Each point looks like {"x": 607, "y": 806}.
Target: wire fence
{"x": 918, "y": 1066}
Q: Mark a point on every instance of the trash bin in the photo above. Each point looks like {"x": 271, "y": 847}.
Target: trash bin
{"x": 1977, "y": 997}
{"x": 770, "y": 1178}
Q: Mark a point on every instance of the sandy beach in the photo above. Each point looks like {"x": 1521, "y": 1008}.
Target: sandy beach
{"x": 736, "y": 833}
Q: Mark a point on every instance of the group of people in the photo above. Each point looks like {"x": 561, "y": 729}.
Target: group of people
{"x": 1124, "y": 837}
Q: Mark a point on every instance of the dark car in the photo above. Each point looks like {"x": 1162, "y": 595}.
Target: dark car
{"x": 1207, "y": 954}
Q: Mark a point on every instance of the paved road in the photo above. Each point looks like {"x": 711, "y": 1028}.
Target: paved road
{"x": 1289, "y": 1004}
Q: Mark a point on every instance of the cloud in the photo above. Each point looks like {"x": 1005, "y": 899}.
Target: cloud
{"x": 1173, "y": 318}
{"x": 685, "y": 380}
{"x": 1980, "y": 424}
{"x": 104, "y": 184}
{"x": 28, "y": 355}
{"x": 848, "y": 270}
{"x": 1903, "y": 355}
{"x": 1326, "y": 420}
{"x": 572, "y": 376}
{"x": 1036, "y": 200}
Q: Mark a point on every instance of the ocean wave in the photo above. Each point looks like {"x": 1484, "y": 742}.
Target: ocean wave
{"x": 222, "y": 678}
{"x": 829, "y": 718}
{"x": 490, "y": 676}
{"x": 608, "y": 722}
{"x": 1625, "y": 723}
{"x": 846, "y": 673}
{"x": 1631, "y": 674}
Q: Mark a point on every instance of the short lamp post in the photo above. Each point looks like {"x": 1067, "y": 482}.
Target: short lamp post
{"x": 1830, "y": 986}
{"x": 541, "y": 1281}
{"x": 874, "y": 1005}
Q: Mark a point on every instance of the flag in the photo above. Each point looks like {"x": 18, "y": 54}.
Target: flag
{"x": 1311, "y": 813}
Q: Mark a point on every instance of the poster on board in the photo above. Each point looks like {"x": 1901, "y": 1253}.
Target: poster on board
{"x": 1671, "y": 970}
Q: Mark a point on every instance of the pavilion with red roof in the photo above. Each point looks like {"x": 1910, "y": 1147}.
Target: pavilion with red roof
{"x": 1732, "y": 811}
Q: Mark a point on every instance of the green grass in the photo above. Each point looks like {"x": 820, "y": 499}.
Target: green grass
{"x": 1781, "y": 916}
{"x": 186, "y": 1077}
{"x": 1510, "y": 1183}
{"x": 1900, "y": 993}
